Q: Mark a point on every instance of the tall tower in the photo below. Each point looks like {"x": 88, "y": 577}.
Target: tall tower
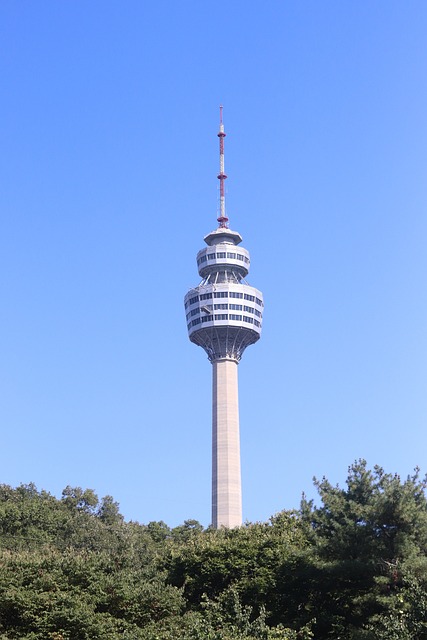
{"x": 224, "y": 316}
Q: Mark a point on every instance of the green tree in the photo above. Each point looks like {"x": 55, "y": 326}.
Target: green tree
{"x": 248, "y": 559}
{"x": 77, "y": 498}
{"x": 108, "y": 511}
{"x": 378, "y": 522}
{"x": 352, "y": 568}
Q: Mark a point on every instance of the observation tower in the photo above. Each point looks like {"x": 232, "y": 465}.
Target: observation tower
{"x": 224, "y": 316}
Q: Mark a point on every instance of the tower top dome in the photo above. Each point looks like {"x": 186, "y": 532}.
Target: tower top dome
{"x": 223, "y": 234}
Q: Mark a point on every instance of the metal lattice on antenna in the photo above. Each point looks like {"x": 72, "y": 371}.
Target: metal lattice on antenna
{"x": 222, "y": 220}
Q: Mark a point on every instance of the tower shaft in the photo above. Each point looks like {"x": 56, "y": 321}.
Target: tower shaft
{"x": 226, "y": 479}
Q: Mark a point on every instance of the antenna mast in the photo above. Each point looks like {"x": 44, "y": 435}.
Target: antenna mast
{"x": 223, "y": 220}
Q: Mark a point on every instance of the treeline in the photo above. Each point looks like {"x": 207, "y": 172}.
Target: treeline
{"x": 352, "y": 568}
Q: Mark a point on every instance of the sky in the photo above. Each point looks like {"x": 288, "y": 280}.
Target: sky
{"x": 109, "y": 113}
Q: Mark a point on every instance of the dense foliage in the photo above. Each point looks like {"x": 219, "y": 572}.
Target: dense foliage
{"x": 354, "y": 567}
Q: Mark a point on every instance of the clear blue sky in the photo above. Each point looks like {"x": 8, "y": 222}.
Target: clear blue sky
{"x": 109, "y": 115}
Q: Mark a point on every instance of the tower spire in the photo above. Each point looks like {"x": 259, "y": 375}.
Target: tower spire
{"x": 223, "y": 220}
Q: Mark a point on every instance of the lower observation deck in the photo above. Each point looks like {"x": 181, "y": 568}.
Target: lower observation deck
{"x": 224, "y": 319}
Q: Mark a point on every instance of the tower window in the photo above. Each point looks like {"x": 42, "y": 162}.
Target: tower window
{"x": 240, "y": 257}
{"x": 231, "y": 255}
{"x": 221, "y": 316}
{"x": 220, "y": 306}
{"x": 221, "y": 294}
{"x": 258, "y": 301}
{"x": 221, "y": 254}
{"x": 236, "y": 294}
{"x": 195, "y": 321}
{"x": 258, "y": 313}
{"x": 233, "y": 316}
{"x": 207, "y": 318}
{"x": 195, "y": 312}
{"x": 248, "y": 309}
{"x": 211, "y": 256}
{"x": 193, "y": 300}
{"x": 237, "y": 307}
{"x": 246, "y": 319}
{"x": 248, "y": 297}
{"x": 257, "y": 323}
{"x": 206, "y": 296}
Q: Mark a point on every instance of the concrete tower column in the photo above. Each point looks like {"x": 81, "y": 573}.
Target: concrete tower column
{"x": 226, "y": 479}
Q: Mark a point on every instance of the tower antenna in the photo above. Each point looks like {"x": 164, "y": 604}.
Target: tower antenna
{"x": 223, "y": 220}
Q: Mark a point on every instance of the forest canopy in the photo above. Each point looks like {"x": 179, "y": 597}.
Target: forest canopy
{"x": 352, "y": 567}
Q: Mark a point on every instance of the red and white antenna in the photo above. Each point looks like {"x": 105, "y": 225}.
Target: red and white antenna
{"x": 223, "y": 220}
